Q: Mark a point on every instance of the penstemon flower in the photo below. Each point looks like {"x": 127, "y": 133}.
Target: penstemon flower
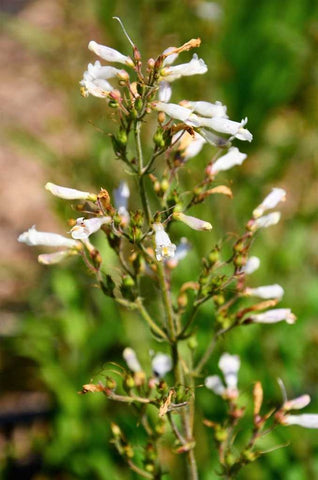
{"x": 164, "y": 247}
{"x": 229, "y": 365}
{"x": 193, "y": 222}
{"x": 161, "y": 364}
{"x": 306, "y": 420}
{"x": 265, "y": 221}
{"x": 276, "y": 196}
{"x": 206, "y": 109}
{"x": 273, "y": 316}
{"x": 131, "y": 359}
{"x": 109, "y": 54}
{"x": 165, "y": 91}
{"x": 252, "y": 264}
{"x": 232, "y": 158}
{"x": 69, "y": 193}
{"x": 268, "y": 291}
{"x": 196, "y": 66}
{"x": 46, "y": 239}
{"x": 85, "y": 227}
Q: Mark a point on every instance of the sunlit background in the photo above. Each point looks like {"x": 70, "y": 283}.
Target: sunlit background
{"x": 57, "y": 330}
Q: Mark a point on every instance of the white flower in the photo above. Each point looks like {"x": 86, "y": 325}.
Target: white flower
{"x": 69, "y": 193}
{"x": 55, "y": 257}
{"x": 209, "y": 11}
{"x": 46, "y": 239}
{"x": 85, "y": 227}
{"x": 276, "y": 196}
{"x": 196, "y": 66}
{"x": 95, "y": 79}
{"x": 193, "y": 222}
{"x": 213, "y": 139}
{"x": 109, "y": 54}
{"x": 173, "y": 110}
{"x": 232, "y": 158}
{"x": 230, "y": 365}
{"x": 165, "y": 91}
{"x": 222, "y": 125}
{"x": 189, "y": 145}
{"x": 251, "y": 265}
{"x": 268, "y": 291}
{"x": 214, "y": 383}
{"x": 307, "y": 420}
{"x": 164, "y": 247}
{"x": 266, "y": 221}
{"x": 297, "y": 403}
{"x": 168, "y": 60}
{"x": 207, "y": 109}
{"x": 161, "y": 364}
{"x": 273, "y": 316}
{"x": 181, "y": 252}
{"x": 131, "y": 359}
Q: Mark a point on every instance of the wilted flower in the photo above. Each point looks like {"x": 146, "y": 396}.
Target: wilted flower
{"x": 196, "y": 66}
{"x": 193, "y": 222}
{"x": 161, "y": 364}
{"x": 265, "y": 221}
{"x": 85, "y": 227}
{"x": 251, "y": 265}
{"x": 268, "y": 291}
{"x": 69, "y": 193}
{"x": 46, "y": 239}
{"x": 230, "y": 159}
{"x": 131, "y": 359}
{"x": 109, "y": 54}
{"x": 276, "y": 196}
{"x": 164, "y": 247}
{"x": 273, "y": 316}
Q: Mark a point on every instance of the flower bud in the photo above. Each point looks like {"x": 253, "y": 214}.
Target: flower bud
{"x": 193, "y": 222}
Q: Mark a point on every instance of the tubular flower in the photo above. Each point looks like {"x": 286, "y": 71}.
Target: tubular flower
{"x": 55, "y": 257}
{"x": 306, "y": 420}
{"x": 265, "y": 221}
{"x": 268, "y": 291}
{"x": 193, "y": 222}
{"x": 196, "y": 66}
{"x": 173, "y": 110}
{"x": 223, "y": 125}
{"x": 165, "y": 91}
{"x": 131, "y": 359}
{"x": 297, "y": 403}
{"x": 121, "y": 197}
{"x": 109, "y": 54}
{"x": 276, "y": 196}
{"x": 161, "y": 364}
{"x": 189, "y": 145}
{"x": 232, "y": 158}
{"x": 85, "y": 227}
{"x": 164, "y": 247}
{"x": 251, "y": 265}
{"x": 69, "y": 193}
{"x": 46, "y": 239}
{"x": 273, "y": 316}
{"x": 229, "y": 365}
{"x": 207, "y": 109}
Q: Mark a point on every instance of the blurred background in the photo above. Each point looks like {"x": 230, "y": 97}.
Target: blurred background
{"x": 57, "y": 330}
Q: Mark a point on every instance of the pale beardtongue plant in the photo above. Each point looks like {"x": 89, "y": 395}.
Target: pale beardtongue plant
{"x": 136, "y": 93}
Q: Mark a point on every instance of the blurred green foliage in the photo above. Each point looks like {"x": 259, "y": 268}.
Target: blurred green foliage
{"x": 262, "y": 60}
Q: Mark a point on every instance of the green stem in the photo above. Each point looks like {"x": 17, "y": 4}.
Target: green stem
{"x": 145, "y": 315}
{"x": 140, "y": 160}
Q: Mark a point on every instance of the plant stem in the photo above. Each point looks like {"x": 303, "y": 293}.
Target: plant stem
{"x": 145, "y": 315}
{"x": 140, "y": 160}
